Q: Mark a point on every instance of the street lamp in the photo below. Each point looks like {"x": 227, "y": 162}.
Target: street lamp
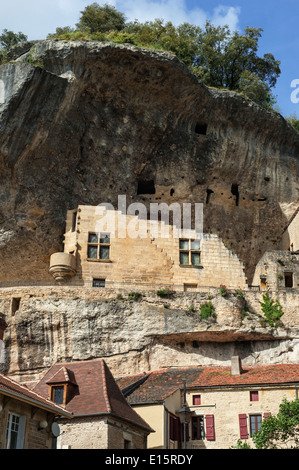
{"x": 185, "y": 415}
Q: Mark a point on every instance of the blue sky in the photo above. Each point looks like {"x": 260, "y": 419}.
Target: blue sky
{"x": 278, "y": 18}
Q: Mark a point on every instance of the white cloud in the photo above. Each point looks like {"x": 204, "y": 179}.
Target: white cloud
{"x": 177, "y": 12}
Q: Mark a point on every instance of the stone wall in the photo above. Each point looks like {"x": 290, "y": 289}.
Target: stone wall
{"x": 226, "y": 405}
{"x": 147, "y": 252}
{"x": 98, "y": 432}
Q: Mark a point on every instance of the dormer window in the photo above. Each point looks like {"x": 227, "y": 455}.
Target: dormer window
{"x": 62, "y": 386}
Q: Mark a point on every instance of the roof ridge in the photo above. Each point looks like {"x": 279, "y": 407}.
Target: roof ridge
{"x": 105, "y": 388}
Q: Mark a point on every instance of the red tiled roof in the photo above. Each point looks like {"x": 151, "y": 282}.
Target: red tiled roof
{"x": 14, "y": 389}
{"x": 162, "y": 383}
{"x": 96, "y": 391}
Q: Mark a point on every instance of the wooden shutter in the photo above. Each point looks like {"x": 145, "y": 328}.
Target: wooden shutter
{"x": 266, "y": 415}
{"x": 173, "y": 428}
{"x": 210, "y": 428}
{"x": 243, "y": 426}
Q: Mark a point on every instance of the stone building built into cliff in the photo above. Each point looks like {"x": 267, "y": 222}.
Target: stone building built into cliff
{"x": 108, "y": 248}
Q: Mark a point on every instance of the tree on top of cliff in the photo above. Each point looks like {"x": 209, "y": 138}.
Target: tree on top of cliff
{"x": 9, "y": 39}
{"x": 96, "y": 18}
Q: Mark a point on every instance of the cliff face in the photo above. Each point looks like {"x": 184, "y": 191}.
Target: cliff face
{"x": 55, "y": 325}
{"x": 84, "y": 122}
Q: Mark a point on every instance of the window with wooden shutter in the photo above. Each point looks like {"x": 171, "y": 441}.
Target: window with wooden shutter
{"x": 196, "y": 400}
{"x": 173, "y": 428}
{"x": 243, "y": 426}
{"x": 210, "y": 428}
{"x": 254, "y": 396}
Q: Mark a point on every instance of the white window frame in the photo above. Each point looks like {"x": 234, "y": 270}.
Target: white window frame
{"x": 20, "y": 431}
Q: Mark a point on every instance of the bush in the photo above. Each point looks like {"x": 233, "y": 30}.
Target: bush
{"x": 240, "y": 294}
{"x": 134, "y": 295}
{"x": 207, "y": 311}
{"x": 272, "y": 310}
{"x": 223, "y": 290}
{"x": 165, "y": 292}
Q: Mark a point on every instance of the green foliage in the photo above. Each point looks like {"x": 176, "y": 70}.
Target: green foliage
{"x": 241, "y": 445}
{"x": 293, "y": 120}
{"x": 165, "y": 292}
{"x": 134, "y": 295}
{"x": 282, "y": 430}
{"x": 9, "y": 39}
{"x": 207, "y": 311}
{"x": 272, "y": 310}
{"x": 223, "y": 291}
{"x": 192, "y": 308}
{"x": 240, "y": 294}
{"x": 96, "y": 18}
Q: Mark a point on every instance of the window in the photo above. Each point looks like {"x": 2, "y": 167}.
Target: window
{"x": 197, "y": 424}
{"x": 255, "y": 423}
{"x": 254, "y": 396}
{"x": 98, "y": 246}
{"x": 173, "y": 428}
{"x": 127, "y": 444}
{"x": 15, "y": 304}
{"x": 98, "y": 283}
{"x": 190, "y": 252}
{"x": 57, "y": 394}
{"x": 288, "y": 279}
{"x": 196, "y": 400}
{"x": 15, "y": 431}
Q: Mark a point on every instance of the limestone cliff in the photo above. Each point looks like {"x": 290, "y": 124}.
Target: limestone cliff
{"x": 63, "y": 324}
{"x": 84, "y": 122}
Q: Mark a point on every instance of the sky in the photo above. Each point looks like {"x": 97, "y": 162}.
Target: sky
{"x": 278, "y": 18}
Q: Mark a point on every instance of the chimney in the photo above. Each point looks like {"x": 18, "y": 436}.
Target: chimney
{"x": 236, "y": 367}
{"x": 3, "y": 326}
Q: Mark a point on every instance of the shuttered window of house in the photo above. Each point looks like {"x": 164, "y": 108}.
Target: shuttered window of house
{"x": 210, "y": 428}
{"x": 243, "y": 426}
{"x": 173, "y": 428}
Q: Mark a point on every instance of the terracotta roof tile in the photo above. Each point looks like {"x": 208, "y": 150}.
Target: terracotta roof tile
{"x": 162, "y": 383}
{"x": 97, "y": 391}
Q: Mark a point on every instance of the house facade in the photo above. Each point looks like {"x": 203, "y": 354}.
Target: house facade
{"x": 27, "y": 420}
{"x": 226, "y": 404}
{"x": 102, "y": 418}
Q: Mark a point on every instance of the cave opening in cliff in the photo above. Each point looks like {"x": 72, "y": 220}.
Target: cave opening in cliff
{"x": 146, "y": 187}
{"x": 235, "y": 192}
{"x": 201, "y": 128}
{"x": 209, "y": 193}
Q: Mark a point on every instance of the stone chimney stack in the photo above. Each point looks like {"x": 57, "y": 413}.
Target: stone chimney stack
{"x": 3, "y": 326}
{"x": 236, "y": 367}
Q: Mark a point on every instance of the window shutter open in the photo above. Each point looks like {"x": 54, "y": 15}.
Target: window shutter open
{"x": 210, "y": 428}
{"x": 266, "y": 415}
{"x": 243, "y": 426}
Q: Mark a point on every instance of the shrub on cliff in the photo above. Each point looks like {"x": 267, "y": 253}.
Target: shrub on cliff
{"x": 272, "y": 310}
